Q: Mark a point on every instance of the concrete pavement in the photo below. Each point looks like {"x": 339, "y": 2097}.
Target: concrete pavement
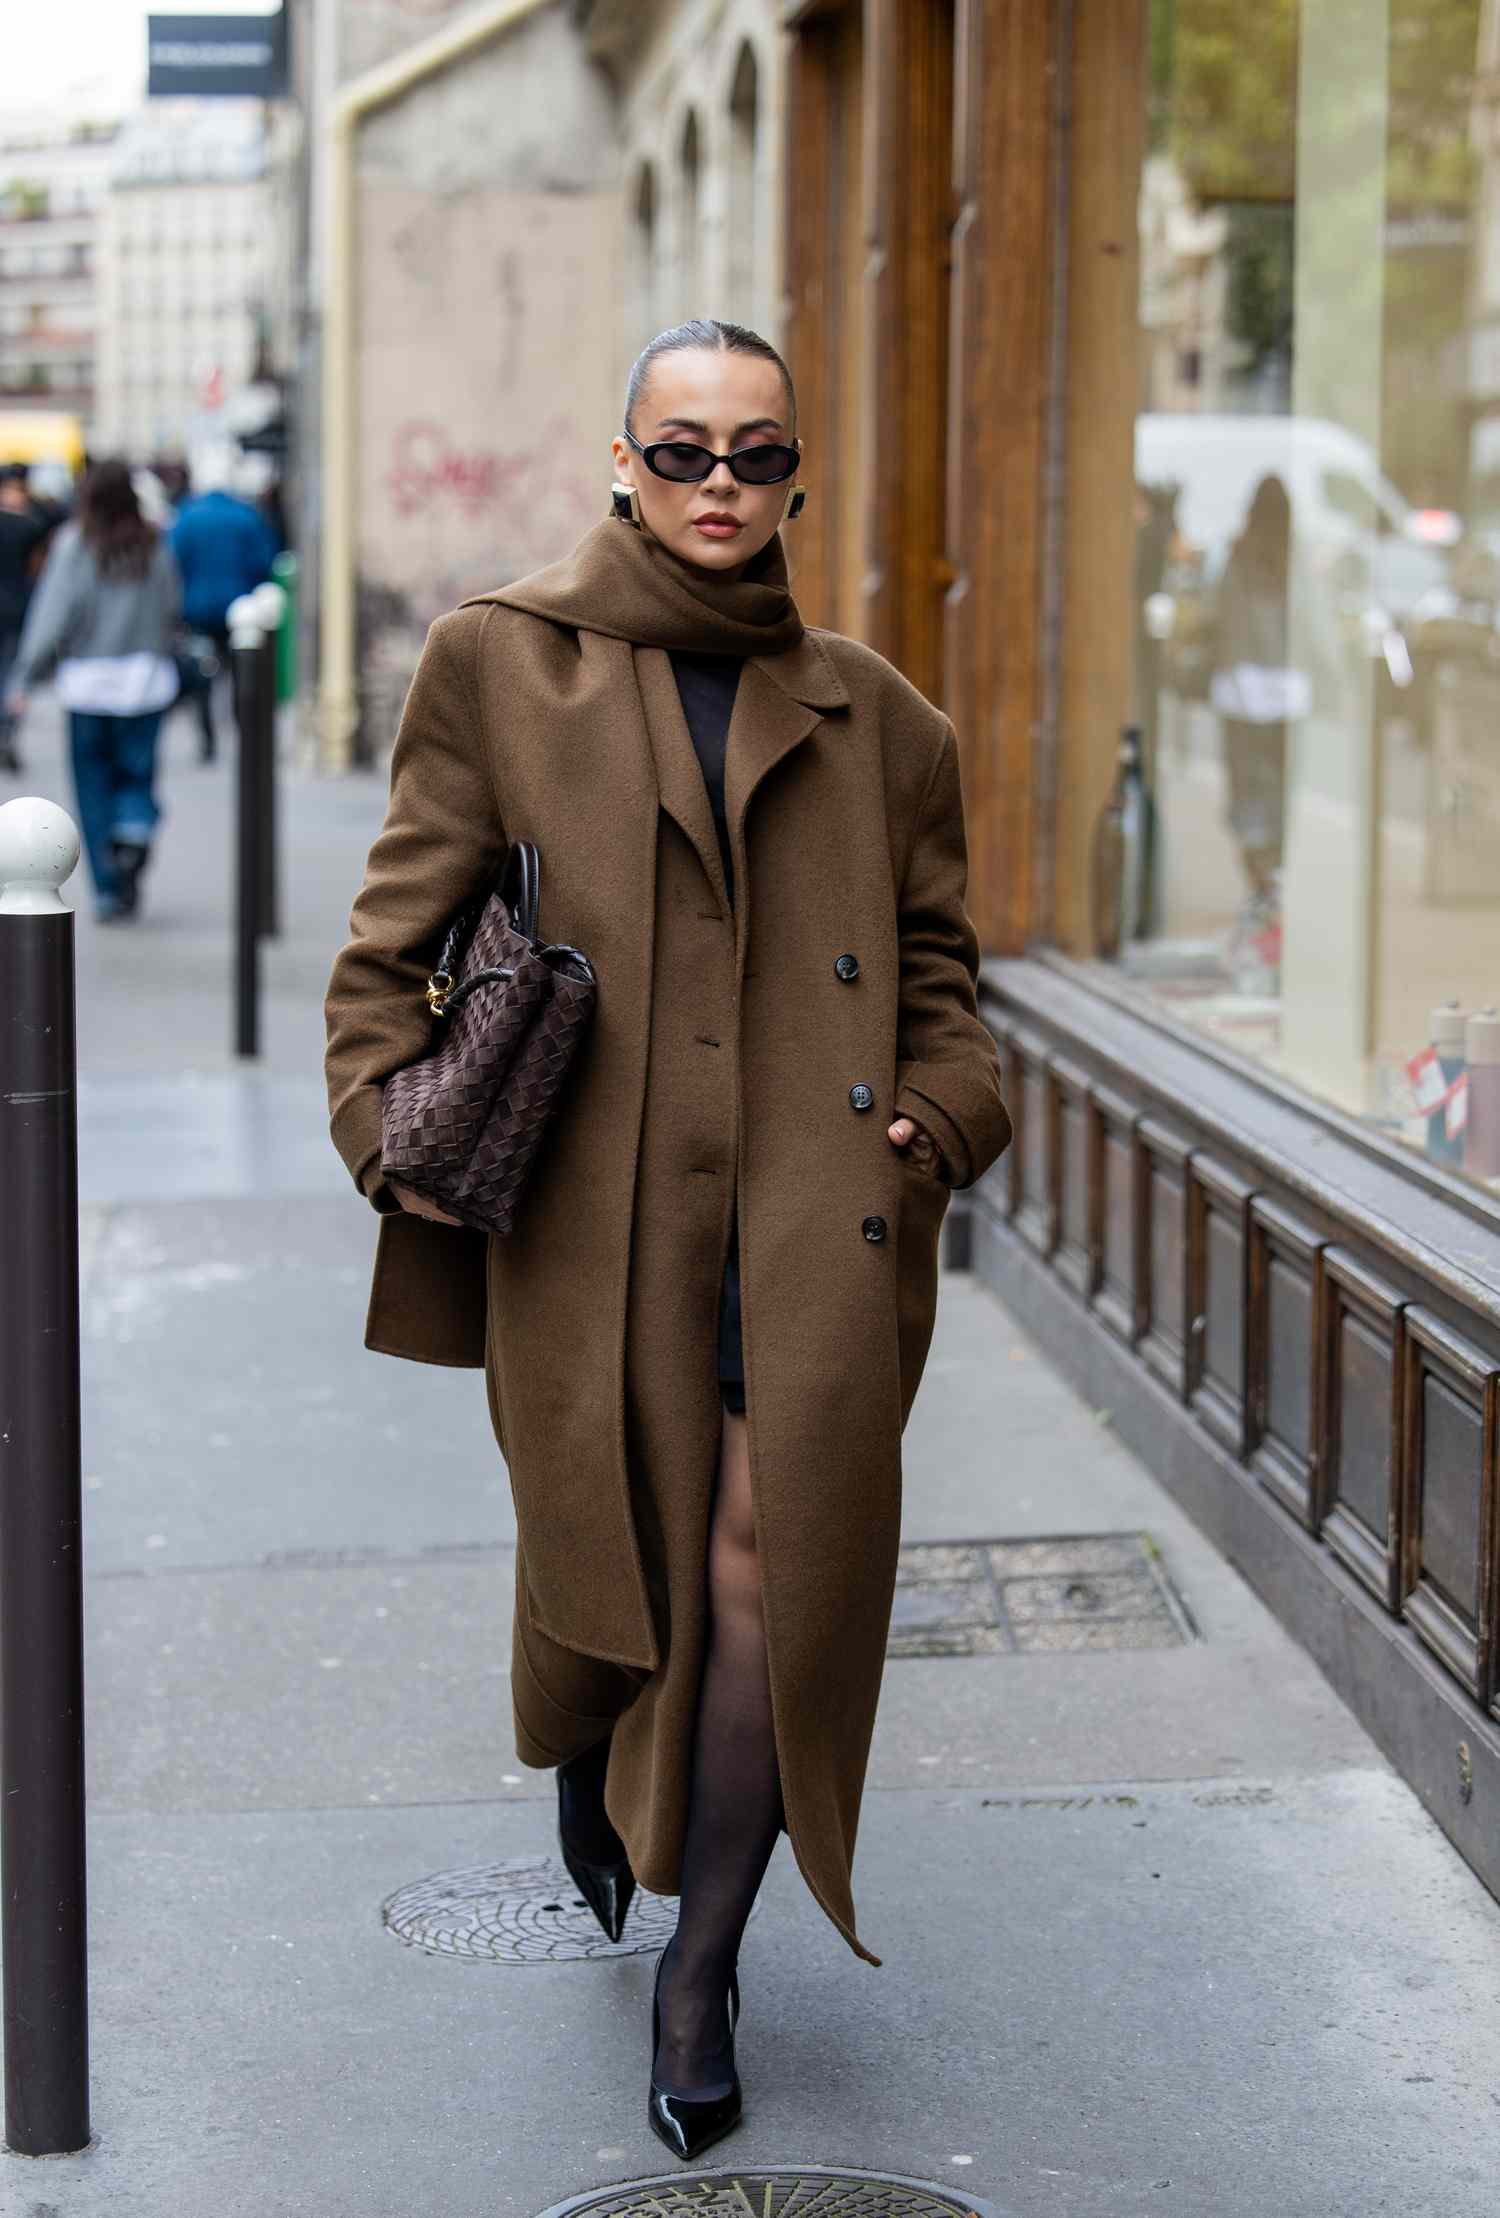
{"x": 1162, "y": 1930}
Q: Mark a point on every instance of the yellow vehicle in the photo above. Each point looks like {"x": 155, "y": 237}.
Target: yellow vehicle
{"x": 45, "y": 439}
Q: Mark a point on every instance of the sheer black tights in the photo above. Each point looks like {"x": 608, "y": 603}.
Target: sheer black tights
{"x": 735, "y": 1811}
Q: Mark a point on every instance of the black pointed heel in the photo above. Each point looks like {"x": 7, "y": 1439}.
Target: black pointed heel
{"x": 608, "y": 1889}
{"x": 689, "y": 2123}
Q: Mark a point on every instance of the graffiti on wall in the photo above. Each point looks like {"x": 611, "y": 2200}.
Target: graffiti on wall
{"x": 487, "y": 374}
{"x": 431, "y": 470}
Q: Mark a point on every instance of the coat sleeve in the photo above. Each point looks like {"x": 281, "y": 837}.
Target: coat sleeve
{"x": 55, "y": 603}
{"x": 948, "y": 1065}
{"x": 441, "y": 844}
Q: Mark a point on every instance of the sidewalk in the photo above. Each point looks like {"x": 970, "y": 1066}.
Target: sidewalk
{"x": 1161, "y": 1929}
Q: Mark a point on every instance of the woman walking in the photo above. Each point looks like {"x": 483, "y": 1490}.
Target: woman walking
{"x": 1252, "y": 688}
{"x": 704, "y": 1334}
{"x": 102, "y": 621}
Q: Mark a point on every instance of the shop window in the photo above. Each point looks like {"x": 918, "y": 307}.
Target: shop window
{"x": 1309, "y": 868}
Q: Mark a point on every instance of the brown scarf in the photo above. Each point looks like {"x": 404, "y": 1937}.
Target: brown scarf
{"x": 631, "y": 599}
{"x": 630, "y": 585}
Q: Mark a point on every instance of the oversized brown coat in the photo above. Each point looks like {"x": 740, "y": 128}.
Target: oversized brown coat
{"x": 719, "y": 1067}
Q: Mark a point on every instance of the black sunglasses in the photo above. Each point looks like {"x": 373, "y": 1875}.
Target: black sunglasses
{"x": 686, "y": 464}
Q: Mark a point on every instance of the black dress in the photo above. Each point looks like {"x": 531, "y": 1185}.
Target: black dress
{"x": 706, "y": 685}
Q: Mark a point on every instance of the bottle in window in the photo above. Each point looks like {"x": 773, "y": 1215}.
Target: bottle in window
{"x": 1123, "y": 873}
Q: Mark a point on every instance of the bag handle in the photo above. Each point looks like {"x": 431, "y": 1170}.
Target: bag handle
{"x": 521, "y": 886}
{"x": 520, "y": 890}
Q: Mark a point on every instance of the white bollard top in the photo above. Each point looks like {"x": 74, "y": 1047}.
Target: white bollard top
{"x": 244, "y": 622}
{"x": 269, "y": 603}
{"x": 38, "y": 850}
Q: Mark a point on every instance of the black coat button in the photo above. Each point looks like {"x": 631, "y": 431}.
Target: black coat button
{"x": 873, "y": 1228}
{"x": 847, "y": 967}
{"x": 861, "y": 1096}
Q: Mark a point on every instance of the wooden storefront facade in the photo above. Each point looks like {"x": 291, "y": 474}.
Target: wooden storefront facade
{"x": 1294, "y": 1321}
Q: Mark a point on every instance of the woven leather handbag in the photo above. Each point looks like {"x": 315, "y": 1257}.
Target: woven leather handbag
{"x": 464, "y": 1123}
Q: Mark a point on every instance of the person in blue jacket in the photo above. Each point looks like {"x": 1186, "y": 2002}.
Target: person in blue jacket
{"x": 224, "y": 547}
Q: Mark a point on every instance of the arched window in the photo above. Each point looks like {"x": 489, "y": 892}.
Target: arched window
{"x": 644, "y": 300}
{"x": 690, "y": 222}
{"x": 743, "y": 258}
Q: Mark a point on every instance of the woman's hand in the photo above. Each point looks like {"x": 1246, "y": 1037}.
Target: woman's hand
{"x": 417, "y": 1205}
{"x": 906, "y": 1134}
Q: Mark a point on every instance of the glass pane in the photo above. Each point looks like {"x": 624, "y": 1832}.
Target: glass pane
{"x": 1309, "y": 863}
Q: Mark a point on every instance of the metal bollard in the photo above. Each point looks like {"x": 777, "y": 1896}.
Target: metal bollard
{"x": 42, "y": 1863}
{"x": 248, "y": 663}
{"x": 270, "y": 609}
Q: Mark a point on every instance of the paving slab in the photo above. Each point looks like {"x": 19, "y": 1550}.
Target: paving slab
{"x": 231, "y": 1411}
{"x": 1094, "y": 1999}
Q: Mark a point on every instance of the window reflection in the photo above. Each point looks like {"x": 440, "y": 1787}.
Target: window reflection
{"x": 1316, "y": 577}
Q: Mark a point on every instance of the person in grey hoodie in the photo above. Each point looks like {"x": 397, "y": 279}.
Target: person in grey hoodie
{"x": 102, "y": 622}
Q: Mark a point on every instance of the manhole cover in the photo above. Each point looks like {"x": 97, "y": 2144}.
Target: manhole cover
{"x": 524, "y": 1911}
{"x": 795, "y": 2191}
{"x": 1011, "y": 1597}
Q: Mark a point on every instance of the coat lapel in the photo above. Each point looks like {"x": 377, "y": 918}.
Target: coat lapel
{"x": 768, "y": 722}
{"x": 779, "y": 702}
{"x": 679, "y": 775}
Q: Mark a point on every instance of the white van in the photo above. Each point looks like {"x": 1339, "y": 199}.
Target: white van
{"x": 1342, "y": 502}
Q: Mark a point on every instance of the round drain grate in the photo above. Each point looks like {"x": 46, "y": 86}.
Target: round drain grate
{"x": 524, "y": 1911}
{"x": 781, "y": 2193}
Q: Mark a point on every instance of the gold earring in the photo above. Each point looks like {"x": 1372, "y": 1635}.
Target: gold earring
{"x": 794, "y": 504}
{"x": 627, "y": 504}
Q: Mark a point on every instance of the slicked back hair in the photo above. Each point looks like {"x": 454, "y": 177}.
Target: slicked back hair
{"x": 717, "y": 337}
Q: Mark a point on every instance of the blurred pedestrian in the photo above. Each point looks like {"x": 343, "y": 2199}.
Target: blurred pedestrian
{"x": 22, "y": 536}
{"x": 101, "y": 622}
{"x": 224, "y": 547}
{"x": 1255, "y": 688}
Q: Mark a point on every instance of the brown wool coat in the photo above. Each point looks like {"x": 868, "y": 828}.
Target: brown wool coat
{"x": 719, "y": 1066}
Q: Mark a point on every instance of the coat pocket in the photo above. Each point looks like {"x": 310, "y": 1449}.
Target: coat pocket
{"x": 924, "y": 1198}
{"x": 923, "y": 1156}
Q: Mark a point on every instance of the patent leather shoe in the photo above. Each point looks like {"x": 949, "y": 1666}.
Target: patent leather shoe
{"x": 608, "y": 1889}
{"x": 689, "y": 2123}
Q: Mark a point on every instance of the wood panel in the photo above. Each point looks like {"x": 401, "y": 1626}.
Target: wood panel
{"x": 1117, "y": 1169}
{"x": 1077, "y": 1256}
{"x": 1006, "y": 1175}
{"x": 1163, "y": 1172}
{"x": 1451, "y": 1392}
{"x": 909, "y": 210}
{"x": 997, "y": 411}
{"x": 1218, "y": 1233}
{"x": 1363, "y": 1387}
{"x": 1340, "y": 1336}
{"x": 1036, "y": 1143}
{"x": 1106, "y": 145}
{"x": 823, "y": 326}
{"x": 1283, "y": 1337}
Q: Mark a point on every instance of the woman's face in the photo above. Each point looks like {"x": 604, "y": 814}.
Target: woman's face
{"x": 719, "y": 401}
